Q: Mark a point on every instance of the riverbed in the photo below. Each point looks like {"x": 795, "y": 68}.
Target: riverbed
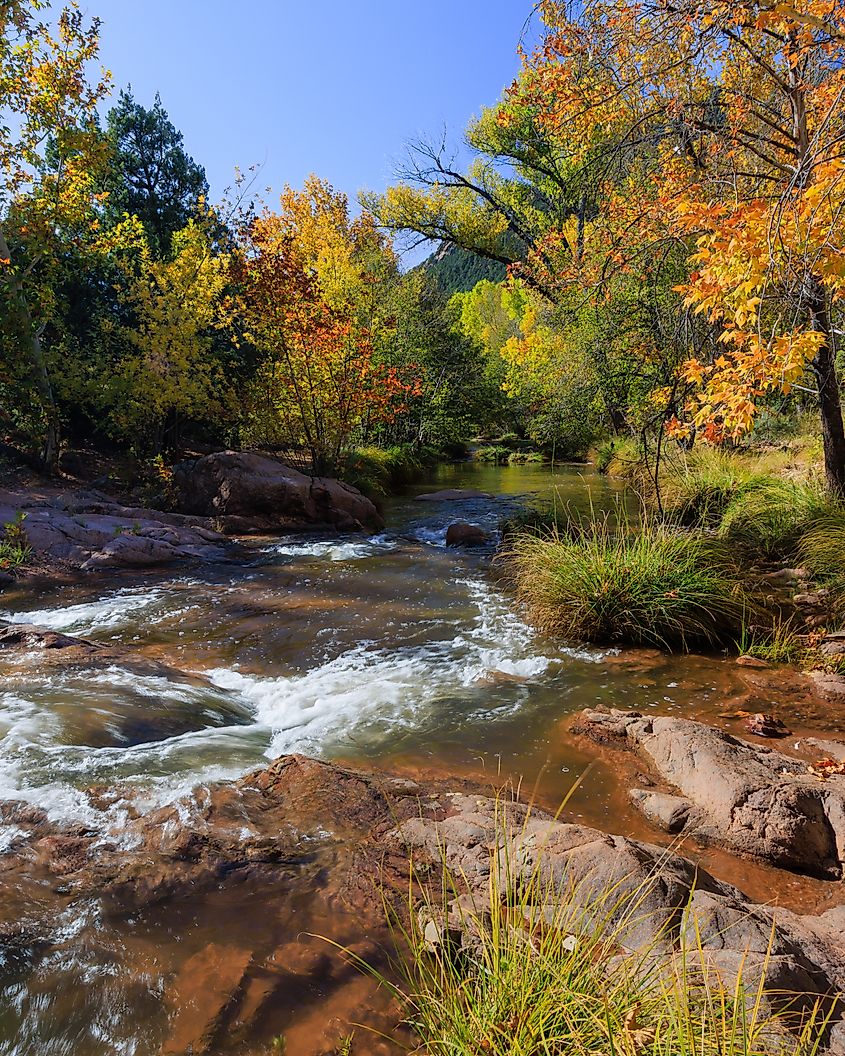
{"x": 389, "y": 651}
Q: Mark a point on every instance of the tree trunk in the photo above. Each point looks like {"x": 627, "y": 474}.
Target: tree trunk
{"x": 31, "y": 335}
{"x": 830, "y": 403}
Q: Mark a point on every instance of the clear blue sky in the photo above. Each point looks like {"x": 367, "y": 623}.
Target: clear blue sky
{"x": 335, "y": 87}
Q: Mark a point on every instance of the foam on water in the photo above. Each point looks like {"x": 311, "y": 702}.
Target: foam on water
{"x": 396, "y": 687}
{"x": 116, "y": 610}
{"x": 323, "y": 550}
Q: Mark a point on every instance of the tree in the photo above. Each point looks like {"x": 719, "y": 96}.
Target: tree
{"x": 175, "y": 307}
{"x": 742, "y": 105}
{"x": 45, "y": 98}
{"x": 310, "y": 278}
{"x": 150, "y": 174}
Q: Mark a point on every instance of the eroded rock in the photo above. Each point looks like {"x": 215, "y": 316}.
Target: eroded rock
{"x": 85, "y": 530}
{"x": 749, "y": 798}
{"x": 247, "y": 492}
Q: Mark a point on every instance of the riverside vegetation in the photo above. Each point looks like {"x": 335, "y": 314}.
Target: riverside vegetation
{"x": 643, "y": 267}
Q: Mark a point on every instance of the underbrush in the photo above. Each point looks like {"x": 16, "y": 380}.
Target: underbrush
{"x": 650, "y": 584}
{"x": 538, "y": 963}
{"x": 496, "y": 453}
{"x": 15, "y": 549}
{"x": 379, "y": 471}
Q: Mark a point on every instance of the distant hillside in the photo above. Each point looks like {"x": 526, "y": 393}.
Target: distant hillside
{"x": 457, "y": 270}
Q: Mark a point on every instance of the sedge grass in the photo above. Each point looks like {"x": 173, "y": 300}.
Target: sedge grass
{"x": 537, "y": 962}
{"x": 613, "y": 582}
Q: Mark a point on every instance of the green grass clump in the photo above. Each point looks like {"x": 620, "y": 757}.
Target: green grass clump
{"x": 780, "y": 644}
{"x": 821, "y": 548}
{"x": 493, "y": 453}
{"x": 521, "y": 458}
{"x": 617, "y": 456}
{"x": 15, "y": 549}
{"x": 697, "y": 489}
{"x": 550, "y": 971}
{"x": 770, "y": 515}
{"x": 653, "y": 584}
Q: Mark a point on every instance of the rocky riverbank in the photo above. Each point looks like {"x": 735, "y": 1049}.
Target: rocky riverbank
{"x": 303, "y": 840}
{"x": 80, "y": 529}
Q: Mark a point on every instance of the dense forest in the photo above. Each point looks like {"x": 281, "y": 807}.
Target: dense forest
{"x": 647, "y": 245}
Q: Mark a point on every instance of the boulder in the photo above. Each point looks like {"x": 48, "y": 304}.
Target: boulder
{"x": 247, "y": 492}
{"x": 85, "y": 530}
{"x": 748, "y": 798}
{"x": 462, "y": 534}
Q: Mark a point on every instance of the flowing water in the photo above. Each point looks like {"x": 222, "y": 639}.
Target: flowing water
{"x": 389, "y": 650}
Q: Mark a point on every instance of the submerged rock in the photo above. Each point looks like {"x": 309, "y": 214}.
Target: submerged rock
{"x": 247, "y": 492}
{"x": 453, "y": 495}
{"x": 130, "y": 699}
{"x": 749, "y": 798}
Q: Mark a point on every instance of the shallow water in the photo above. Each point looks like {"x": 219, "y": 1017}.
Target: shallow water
{"x": 389, "y": 650}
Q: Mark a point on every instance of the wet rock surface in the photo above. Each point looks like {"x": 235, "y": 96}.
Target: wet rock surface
{"x": 85, "y": 530}
{"x": 246, "y": 492}
{"x": 746, "y": 797}
{"x": 460, "y": 533}
{"x": 302, "y": 842}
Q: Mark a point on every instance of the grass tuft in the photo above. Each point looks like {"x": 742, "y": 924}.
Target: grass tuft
{"x": 548, "y": 965}
{"x": 606, "y": 582}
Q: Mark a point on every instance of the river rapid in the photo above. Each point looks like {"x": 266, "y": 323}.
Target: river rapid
{"x": 389, "y": 651}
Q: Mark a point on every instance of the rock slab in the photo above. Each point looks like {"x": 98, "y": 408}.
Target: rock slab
{"x": 749, "y": 798}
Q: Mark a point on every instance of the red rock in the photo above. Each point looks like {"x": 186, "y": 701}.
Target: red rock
{"x": 462, "y": 534}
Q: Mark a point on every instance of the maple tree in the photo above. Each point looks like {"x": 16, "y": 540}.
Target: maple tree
{"x": 50, "y": 153}
{"x": 734, "y": 113}
{"x": 309, "y": 277}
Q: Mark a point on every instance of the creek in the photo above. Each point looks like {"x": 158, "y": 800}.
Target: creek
{"x": 390, "y": 651}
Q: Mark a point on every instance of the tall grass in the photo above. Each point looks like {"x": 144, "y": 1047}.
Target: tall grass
{"x": 649, "y": 584}
{"x": 771, "y": 515}
{"x": 379, "y": 471}
{"x": 541, "y": 964}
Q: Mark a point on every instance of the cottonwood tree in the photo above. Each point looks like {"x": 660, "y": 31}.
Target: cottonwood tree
{"x": 741, "y": 106}
{"x": 50, "y": 152}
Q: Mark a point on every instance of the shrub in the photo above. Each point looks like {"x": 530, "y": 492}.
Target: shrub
{"x": 494, "y": 453}
{"x": 15, "y": 549}
{"x": 616, "y": 583}
{"x": 554, "y": 967}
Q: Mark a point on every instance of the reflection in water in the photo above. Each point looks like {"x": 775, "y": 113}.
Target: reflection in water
{"x": 390, "y": 650}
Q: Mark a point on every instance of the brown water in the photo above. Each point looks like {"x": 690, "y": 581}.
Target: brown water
{"x": 390, "y": 651}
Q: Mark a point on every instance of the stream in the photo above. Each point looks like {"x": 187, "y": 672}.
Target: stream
{"x": 388, "y": 651}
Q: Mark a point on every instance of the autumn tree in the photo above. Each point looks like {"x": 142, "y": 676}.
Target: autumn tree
{"x": 46, "y": 194}
{"x": 310, "y": 277}
{"x": 741, "y": 107}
